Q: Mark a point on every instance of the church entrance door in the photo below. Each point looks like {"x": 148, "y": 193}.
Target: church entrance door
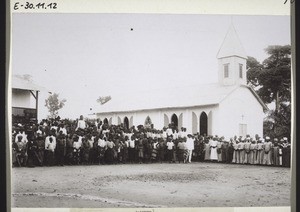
{"x": 126, "y": 123}
{"x": 203, "y": 123}
{"x": 174, "y": 120}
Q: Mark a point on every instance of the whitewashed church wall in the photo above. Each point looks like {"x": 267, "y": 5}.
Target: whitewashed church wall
{"x": 157, "y": 117}
{"x": 240, "y": 108}
{"x": 212, "y": 119}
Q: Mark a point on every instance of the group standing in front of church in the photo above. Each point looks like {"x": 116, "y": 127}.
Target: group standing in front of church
{"x": 72, "y": 143}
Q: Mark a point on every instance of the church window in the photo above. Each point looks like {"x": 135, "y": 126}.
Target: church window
{"x": 226, "y": 70}
{"x": 241, "y": 70}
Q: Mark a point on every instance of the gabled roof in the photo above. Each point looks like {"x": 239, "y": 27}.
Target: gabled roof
{"x": 18, "y": 82}
{"x": 187, "y": 96}
{"x": 231, "y": 45}
{"x": 183, "y": 97}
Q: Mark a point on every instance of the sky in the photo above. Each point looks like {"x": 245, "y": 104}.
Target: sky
{"x": 84, "y": 56}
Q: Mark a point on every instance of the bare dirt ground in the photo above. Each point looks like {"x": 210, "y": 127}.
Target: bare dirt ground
{"x": 151, "y": 185}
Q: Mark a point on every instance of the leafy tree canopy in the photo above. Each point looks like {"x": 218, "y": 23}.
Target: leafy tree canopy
{"x": 272, "y": 81}
{"x": 53, "y": 103}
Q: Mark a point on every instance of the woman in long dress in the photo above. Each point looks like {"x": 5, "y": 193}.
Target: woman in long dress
{"x": 213, "y": 149}
{"x": 207, "y": 150}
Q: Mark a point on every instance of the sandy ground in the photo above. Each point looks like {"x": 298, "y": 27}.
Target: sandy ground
{"x": 151, "y": 185}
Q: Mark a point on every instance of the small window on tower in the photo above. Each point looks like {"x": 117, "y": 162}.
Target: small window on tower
{"x": 241, "y": 71}
{"x": 226, "y": 70}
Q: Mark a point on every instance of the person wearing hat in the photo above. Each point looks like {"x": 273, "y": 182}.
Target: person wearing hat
{"x": 267, "y": 151}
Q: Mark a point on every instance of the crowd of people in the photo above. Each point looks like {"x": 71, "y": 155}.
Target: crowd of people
{"x": 64, "y": 142}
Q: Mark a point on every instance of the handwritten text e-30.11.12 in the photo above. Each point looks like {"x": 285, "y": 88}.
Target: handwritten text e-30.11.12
{"x": 31, "y": 6}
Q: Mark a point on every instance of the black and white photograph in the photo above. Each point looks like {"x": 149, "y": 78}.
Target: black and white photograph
{"x": 112, "y": 110}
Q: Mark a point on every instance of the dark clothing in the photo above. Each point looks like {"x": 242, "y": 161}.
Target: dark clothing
{"x": 32, "y": 155}
{"x": 60, "y": 151}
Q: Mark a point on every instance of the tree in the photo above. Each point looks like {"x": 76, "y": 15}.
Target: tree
{"x": 54, "y": 104}
{"x": 272, "y": 81}
{"x": 103, "y": 99}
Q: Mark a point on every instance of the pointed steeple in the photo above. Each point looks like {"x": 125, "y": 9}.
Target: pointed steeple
{"x": 231, "y": 45}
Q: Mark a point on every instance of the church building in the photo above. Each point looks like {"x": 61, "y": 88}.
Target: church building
{"x": 227, "y": 108}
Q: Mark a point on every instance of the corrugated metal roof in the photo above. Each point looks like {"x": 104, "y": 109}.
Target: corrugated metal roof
{"x": 18, "y": 82}
{"x": 187, "y": 96}
{"x": 231, "y": 45}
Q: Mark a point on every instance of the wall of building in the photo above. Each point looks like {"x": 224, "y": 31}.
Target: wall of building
{"x": 240, "y": 107}
{"x": 162, "y": 117}
{"x": 23, "y": 99}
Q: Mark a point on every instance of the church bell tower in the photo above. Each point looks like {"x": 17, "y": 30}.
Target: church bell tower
{"x": 232, "y": 60}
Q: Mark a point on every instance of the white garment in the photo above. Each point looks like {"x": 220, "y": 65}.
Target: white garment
{"x": 81, "y": 124}
{"x": 131, "y": 143}
{"x": 63, "y": 130}
{"x": 169, "y": 131}
{"x": 170, "y": 145}
{"x": 50, "y": 145}
{"x": 175, "y": 135}
{"x": 213, "y": 150}
{"x": 77, "y": 144}
{"x": 190, "y": 143}
{"x": 101, "y": 143}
